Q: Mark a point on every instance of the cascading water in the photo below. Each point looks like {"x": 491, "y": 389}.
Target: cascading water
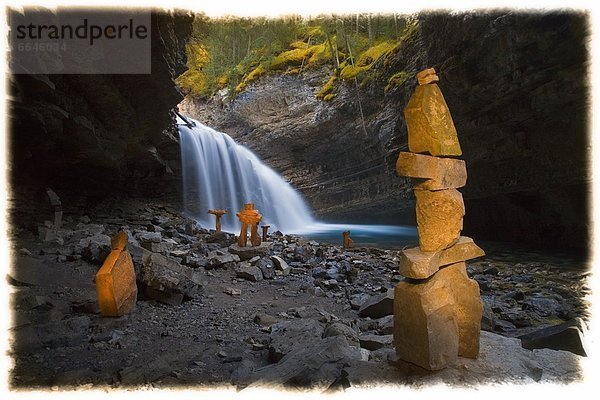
{"x": 219, "y": 173}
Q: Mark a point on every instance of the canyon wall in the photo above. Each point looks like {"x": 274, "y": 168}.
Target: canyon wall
{"x": 92, "y": 136}
{"x": 518, "y": 89}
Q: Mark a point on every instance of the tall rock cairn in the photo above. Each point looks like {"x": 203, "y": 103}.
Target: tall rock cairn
{"x": 437, "y": 309}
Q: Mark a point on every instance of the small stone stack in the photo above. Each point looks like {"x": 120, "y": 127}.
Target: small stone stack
{"x": 437, "y": 309}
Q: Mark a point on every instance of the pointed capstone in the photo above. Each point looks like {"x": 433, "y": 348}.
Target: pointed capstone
{"x": 468, "y": 307}
{"x": 430, "y": 126}
{"x": 119, "y": 241}
{"x": 115, "y": 284}
{"x": 425, "y": 324}
{"x": 417, "y": 264}
{"x": 432, "y": 173}
{"x": 439, "y": 218}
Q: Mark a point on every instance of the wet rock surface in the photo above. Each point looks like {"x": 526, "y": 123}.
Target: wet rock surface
{"x": 199, "y": 322}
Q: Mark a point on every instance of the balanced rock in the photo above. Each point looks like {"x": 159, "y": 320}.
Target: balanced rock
{"x": 469, "y": 308}
{"x": 432, "y": 173}
{"x": 430, "y": 126}
{"x": 417, "y": 264}
{"x": 427, "y": 76}
{"x": 438, "y": 319}
{"x": 464, "y": 249}
{"x": 115, "y": 284}
{"x": 425, "y": 324}
{"x": 439, "y": 218}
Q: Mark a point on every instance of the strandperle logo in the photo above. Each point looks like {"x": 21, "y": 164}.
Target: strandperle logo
{"x": 83, "y": 31}
{"x": 67, "y": 41}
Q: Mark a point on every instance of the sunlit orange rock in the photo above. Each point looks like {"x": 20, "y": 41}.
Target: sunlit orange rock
{"x": 417, "y": 264}
{"x": 427, "y": 76}
{"x": 218, "y": 213}
{"x": 429, "y": 123}
{"x": 425, "y": 323}
{"x": 347, "y": 242}
{"x": 468, "y": 306}
{"x": 432, "y": 173}
{"x": 249, "y": 217}
{"x": 265, "y": 229}
{"x": 115, "y": 281}
{"x": 439, "y": 218}
{"x": 119, "y": 241}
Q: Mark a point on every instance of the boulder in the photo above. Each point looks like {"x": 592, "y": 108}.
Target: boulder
{"x": 385, "y": 325}
{"x": 439, "y": 218}
{"x": 248, "y": 252}
{"x": 267, "y": 267}
{"x": 358, "y": 299}
{"x": 429, "y": 123}
{"x": 265, "y": 320}
{"x": 317, "y": 366}
{"x": 417, "y": 264}
{"x": 249, "y": 272}
{"x": 222, "y": 238}
{"x": 219, "y": 261}
{"x": 339, "y": 329}
{"x": 115, "y": 284}
{"x": 378, "y": 306}
{"x": 95, "y": 248}
{"x": 376, "y": 342}
{"x": 290, "y": 334}
{"x": 438, "y": 319}
{"x": 425, "y": 324}
{"x": 469, "y": 308}
{"x": 164, "y": 274}
{"x": 149, "y": 237}
{"x": 280, "y": 265}
{"x": 432, "y": 173}
{"x": 566, "y": 336}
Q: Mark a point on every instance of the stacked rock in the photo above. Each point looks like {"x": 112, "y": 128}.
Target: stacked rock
{"x": 437, "y": 309}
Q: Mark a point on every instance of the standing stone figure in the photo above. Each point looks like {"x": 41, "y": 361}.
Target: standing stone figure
{"x": 218, "y": 213}
{"x": 437, "y": 311}
{"x": 265, "y": 229}
{"x": 347, "y": 242}
{"x": 249, "y": 216}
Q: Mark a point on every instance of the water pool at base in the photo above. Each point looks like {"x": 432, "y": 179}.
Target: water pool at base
{"x": 381, "y": 236}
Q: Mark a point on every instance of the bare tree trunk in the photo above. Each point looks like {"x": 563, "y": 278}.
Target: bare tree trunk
{"x": 334, "y": 58}
{"x": 370, "y": 30}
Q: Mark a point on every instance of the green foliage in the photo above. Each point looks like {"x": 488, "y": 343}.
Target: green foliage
{"x": 327, "y": 88}
{"x": 233, "y": 52}
{"x": 398, "y": 79}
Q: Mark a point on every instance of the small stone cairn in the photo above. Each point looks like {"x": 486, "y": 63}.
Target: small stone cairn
{"x": 437, "y": 308}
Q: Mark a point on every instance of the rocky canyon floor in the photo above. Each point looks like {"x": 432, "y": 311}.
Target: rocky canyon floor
{"x": 292, "y": 314}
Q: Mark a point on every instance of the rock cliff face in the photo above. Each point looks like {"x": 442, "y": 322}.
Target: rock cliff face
{"x": 96, "y": 135}
{"x": 517, "y": 87}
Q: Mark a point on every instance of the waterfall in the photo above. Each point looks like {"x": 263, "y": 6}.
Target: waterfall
{"x": 219, "y": 173}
